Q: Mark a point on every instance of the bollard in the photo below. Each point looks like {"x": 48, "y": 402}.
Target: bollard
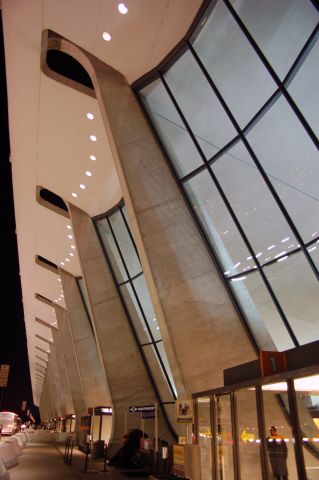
{"x": 105, "y": 454}
{"x": 86, "y": 457}
{"x": 71, "y": 451}
{"x": 66, "y": 450}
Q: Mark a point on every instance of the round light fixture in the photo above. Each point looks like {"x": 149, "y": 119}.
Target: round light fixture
{"x": 122, "y": 8}
{"x": 106, "y": 36}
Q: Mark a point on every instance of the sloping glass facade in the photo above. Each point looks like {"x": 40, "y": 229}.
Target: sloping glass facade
{"x": 236, "y": 110}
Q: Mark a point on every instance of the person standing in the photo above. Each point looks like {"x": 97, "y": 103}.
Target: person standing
{"x": 278, "y": 453}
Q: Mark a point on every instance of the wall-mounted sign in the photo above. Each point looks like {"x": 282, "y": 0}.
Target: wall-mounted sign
{"x": 272, "y": 362}
{"x": 178, "y": 459}
{"x": 103, "y": 411}
{"x": 141, "y": 409}
{"x": 184, "y": 411}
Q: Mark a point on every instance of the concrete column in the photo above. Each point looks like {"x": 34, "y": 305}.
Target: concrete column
{"x": 199, "y": 324}
{"x": 46, "y": 412}
{"x": 64, "y": 379}
{"x": 126, "y": 373}
{"x": 53, "y": 391}
{"x": 71, "y": 363}
{"x": 92, "y": 373}
{"x": 200, "y": 327}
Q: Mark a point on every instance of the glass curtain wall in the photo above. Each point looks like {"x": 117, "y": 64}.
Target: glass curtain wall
{"x": 121, "y": 251}
{"x": 236, "y": 110}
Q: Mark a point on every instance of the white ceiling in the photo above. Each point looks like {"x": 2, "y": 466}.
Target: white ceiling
{"x": 49, "y": 130}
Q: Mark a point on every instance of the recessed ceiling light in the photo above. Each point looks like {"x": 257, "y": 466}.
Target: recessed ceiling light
{"x": 69, "y": 227}
{"x": 61, "y": 263}
{"x": 70, "y": 237}
{"x": 106, "y": 36}
{"x": 88, "y": 173}
{"x": 59, "y": 279}
{"x": 93, "y": 138}
{"x": 71, "y": 254}
{"x": 90, "y": 115}
{"x": 122, "y": 8}
{"x": 74, "y": 194}
{"x": 93, "y": 158}
{"x": 82, "y": 186}
{"x": 67, "y": 259}
{"x": 73, "y": 246}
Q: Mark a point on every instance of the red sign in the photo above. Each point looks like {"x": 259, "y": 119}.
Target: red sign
{"x": 272, "y": 362}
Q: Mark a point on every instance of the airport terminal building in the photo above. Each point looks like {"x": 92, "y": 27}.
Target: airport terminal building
{"x": 166, "y": 185}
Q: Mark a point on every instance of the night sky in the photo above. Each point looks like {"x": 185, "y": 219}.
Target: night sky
{"x": 13, "y": 344}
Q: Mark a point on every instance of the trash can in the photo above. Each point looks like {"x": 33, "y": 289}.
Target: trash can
{"x": 98, "y": 449}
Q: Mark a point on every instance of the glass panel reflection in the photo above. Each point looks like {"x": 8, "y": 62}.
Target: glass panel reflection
{"x": 224, "y": 437}
{"x": 227, "y": 55}
{"x": 280, "y": 442}
{"x": 158, "y": 373}
{"x": 112, "y": 250}
{"x": 135, "y": 313}
{"x": 204, "y": 436}
{"x": 307, "y": 394}
{"x": 264, "y": 224}
{"x": 296, "y": 288}
{"x": 202, "y": 110}
{"x": 248, "y": 435}
{"x": 281, "y": 30}
{"x": 261, "y": 313}
{"x": 170, "y": 128}
{"x": 125, "y": 244}
{"x": 290, "y": 160}
{"x": 219, "y": 226}
{"x": 145, "y": 300}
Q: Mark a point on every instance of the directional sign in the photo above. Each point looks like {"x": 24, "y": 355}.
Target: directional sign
{"x": 149, "y": 408}
{"x": 4, "y": 374}
{"x": 148, "y": 414}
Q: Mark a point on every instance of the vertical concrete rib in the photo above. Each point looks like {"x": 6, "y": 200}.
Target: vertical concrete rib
{"x": 92, "y": 373}
{"x": 71, "y": 363}
{"x": 64, "y": 379}
{"x": 126, "y": 373}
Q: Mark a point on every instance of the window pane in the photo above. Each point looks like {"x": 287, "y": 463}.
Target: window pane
{"x": 204, "y": 436}
{"x": 280, "y": 441}
{"x": 296, "y": 288}
{"x": 145, "y": 300}
{"x": 135, "y": 313}
{"x": 304, "y": 88}
{"x": 112, "y": 250}
{"x": 162, "y": 352}
{"x": 158, "y": 374}
{"x": 224, "y": 438}
{"x": 314, "y": 253}
{"x": 281, "y": 29}
{"x": 261, "y": 313}
{"x": 234, "y": 66}
{"x": 248, "y": 436}
{"x": 253, "y": 204}
{"x": 217, "y": 223}
{"x": 125, "y": 243}
{"x": 307, "y": 393}
{"x": 170, "y": 128}
{"x": 291, "y": 161}
{"x": 199, "y": 104}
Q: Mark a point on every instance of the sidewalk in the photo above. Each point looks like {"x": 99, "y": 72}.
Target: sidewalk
{"x": 44, "y": 460}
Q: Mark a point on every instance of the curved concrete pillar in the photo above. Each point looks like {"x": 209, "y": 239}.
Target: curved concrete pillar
{"x": 92, "y": 372}
{"x": 64, "y": 379}
{"x": 71, "y": 364}
{"x": 127, "y": 378}
{"x": 192, "y": 305}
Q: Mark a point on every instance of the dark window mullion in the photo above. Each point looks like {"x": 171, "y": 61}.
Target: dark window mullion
{"x": 119, "y": 249}
{"x": 252, "y": 253}
{"x": 301, "y": 57}
{"x": 221, "y": 192}
{"x": 159, "y": 357}
{"x": 130, "y": 279}
{"x": 257, "y": 163}
{"x": 273, "y": 74}
{"x": 130, "y": 234}
{"x": 180, "y": 113}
